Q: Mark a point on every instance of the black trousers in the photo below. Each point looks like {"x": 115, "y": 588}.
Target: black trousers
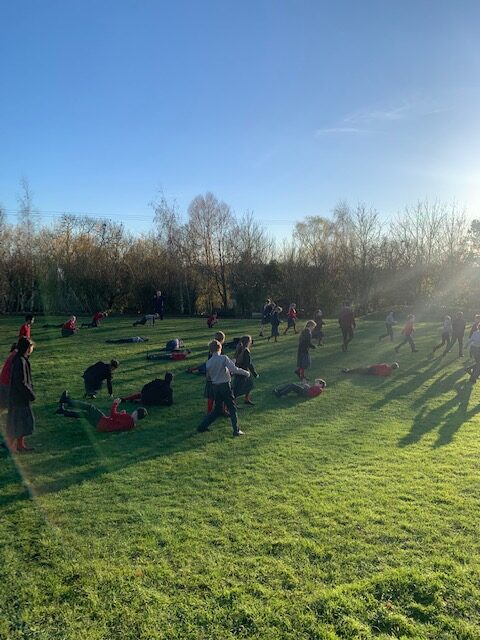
{"x": 454, "y": 339}
{"x": 222, "y": 394}
{"x": 389, "y": 333}
{"x": 410, "y": 341}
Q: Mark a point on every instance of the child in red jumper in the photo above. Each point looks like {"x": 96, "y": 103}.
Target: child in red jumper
{"x": 291, "y": 318}
{"x": 408, "y": 331}
{"x": 96, "y": 320}
{"x": 381, "y": 369}
{"x": 302, "y": 389}
{"x": 212, "y": 320}
{"x": 25, "y": 328}
{"x": 116, "y": 421}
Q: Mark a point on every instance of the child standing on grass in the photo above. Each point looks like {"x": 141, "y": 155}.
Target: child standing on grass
{"x": 275, "y": 322}
{"x": 291, "y": 318}
{"x": 25, "y": 328}
{"x": 408, "y": 331}
{"x": 458, "y": 333}
{"x": 446, "y": 334}
{"x": 347, "y": 324}
{"x": 20, "y": 420}
{"x": 243, "y": 386}
{"x": 304, "y": 345}
{"x": 318, "y": 332}
{"x": 219, "y": 370}
{"x": 267, "y": 311}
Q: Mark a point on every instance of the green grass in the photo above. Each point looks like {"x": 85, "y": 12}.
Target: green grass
{"x": 352, "y": 515}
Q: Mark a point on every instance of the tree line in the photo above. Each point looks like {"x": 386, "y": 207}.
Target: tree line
{"x": 210, "y": 259}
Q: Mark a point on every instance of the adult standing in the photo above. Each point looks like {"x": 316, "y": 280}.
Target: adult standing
{"x": 347, "y": 324}
{"x": 159, "y": 304}
{"x": 20, "y": 420}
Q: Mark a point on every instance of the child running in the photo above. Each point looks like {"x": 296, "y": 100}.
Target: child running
{"x": 275, "y": 322}
{"x": 212, "y": 320}
{"x": 219, "y": 370}
{"x": 474, "y": 345}
{"x": 408, "y": 331}
{"x": 446, "y": 335}
{"x": 347, "y": 324}
{"x": 305, "y": 343}
{"x": 458, "y": 333}
{"x": 243, "y": 386}
{"x": 389, "y": 322}
{"x": 208, "y": 391}
{"x": 291, "y": 318}
{"x": 267, "y": 311}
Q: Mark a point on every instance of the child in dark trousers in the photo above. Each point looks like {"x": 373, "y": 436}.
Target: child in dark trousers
{"x": 219, "y": 370}
{"x": 304, "y": 345}
{"x": 408, "y": 331}
{"x": 275, "y": 322}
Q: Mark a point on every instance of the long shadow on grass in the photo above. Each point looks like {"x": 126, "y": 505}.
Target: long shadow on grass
{"x": 409, "y": 382}
{"x": 449, "y": 416}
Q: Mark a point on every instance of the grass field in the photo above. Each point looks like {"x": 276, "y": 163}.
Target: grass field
{"x": 352, "y": 515}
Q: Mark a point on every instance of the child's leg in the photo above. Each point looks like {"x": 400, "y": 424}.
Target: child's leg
{"x": 210, "y": 403}
{"x": 132, "y": 398}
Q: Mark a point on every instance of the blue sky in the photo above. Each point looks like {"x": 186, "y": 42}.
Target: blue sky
{"x": 281, "y": 108}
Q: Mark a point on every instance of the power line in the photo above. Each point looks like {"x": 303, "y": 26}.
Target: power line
{"x": 121, "y": 216}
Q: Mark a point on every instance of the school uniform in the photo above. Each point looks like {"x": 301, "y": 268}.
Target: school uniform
{"x": 5, "y": 378}
{"x": 305, "y": 343}
{"x": 408, "y": 331}
{"x": 69, "y": 328}
{"x": 347, "y": 325}
{"x": 300, "y": 388}
{"x": 219, "y": 370}
{"x": 25, "y": 330}
{"x": 275, "y": 322}
{"x": 242, "y": 386}
{"x": 458, "y": 334}
{"x": 94, "y": 376}
{"x": 20, "y": 420}
{"x": 291, "y": 319}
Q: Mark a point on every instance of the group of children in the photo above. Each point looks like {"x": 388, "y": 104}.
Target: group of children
{"x": 226, "y": 379}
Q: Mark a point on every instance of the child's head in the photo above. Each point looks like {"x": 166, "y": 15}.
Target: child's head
{"x": 319, "y": 312}
{"x": 246, "y": 341}
{"x": 29, "y": 319}
{"x": 220, "y": 337}
{"x": 278, "y": 309}
{"x": 168, "y": 377}
{"x": 459, "y": 314}
{"x": 395, "y": 365}
{"x": 311, "y": 324}
{"x": 73, "y": 318}
{"x": 25, "y": 346}
{"x": 292, "y": 305}
{"x": 114, "y": 363}
{"x": 477, "y": 317}
{"x": 214, "y": 346}
{"x": 447, "y": 318}
{"x": 411, "y": 317}
{"x": 141, "y": 413}
{"x": 319, "y": 382}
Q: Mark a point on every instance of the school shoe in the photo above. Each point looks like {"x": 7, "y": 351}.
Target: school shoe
{"x": 64, "y": 397}
{"x": 238, "y": 432}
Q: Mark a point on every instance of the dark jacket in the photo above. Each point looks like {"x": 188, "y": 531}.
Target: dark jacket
{"x": 305, "y": 342}
{"x": 158, "y": 304}
{"x": 21, "y": 387}
{"x": 245, "y": 362}
{"x": 346, "y": 319}
{"x": 458, "y": 327}
{"x": 98, "y": 372}
{"x": 157, "y": 392}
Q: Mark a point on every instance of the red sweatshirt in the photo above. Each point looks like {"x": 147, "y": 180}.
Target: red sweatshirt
{"x": 97, "y": 317}
{"x": 70, "y": 324}
{"x": 382, "y": 369}
{"x": 116, "y": 421}
{"x": 292, "y": 313}
{"x": 25, "y": 330}
{"x": 314, "y": 391}
{"x": 408, "y": 328}
{"x": 7, "y": 368}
